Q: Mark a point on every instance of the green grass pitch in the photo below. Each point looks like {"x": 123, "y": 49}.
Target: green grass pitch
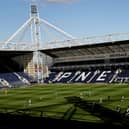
{"x": 49, "y": 100}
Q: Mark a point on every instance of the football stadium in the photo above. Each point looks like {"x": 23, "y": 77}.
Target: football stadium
{"x": 74, "y": 83}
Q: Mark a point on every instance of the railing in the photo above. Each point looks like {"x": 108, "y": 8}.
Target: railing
{"x": 18, "y": 46}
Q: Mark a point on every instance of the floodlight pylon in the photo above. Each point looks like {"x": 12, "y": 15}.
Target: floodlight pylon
{"x": 35, "y": 22}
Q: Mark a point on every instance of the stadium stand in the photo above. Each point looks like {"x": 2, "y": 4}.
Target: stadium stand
{"x": 9, "y": 80}
{"x": 11, "y": 74}
{"x": 28, "y": 78}
{"x": 89, "y": 77}
{"x": 90, "y": 63}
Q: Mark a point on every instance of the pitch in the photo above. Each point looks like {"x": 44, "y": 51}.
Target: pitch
{"x": 50, "y": 100}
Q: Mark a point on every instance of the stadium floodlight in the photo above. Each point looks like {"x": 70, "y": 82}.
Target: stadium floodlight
{"x": 34, "y": 23}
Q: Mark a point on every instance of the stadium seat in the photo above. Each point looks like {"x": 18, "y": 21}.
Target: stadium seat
{"x": 96, "y": 76}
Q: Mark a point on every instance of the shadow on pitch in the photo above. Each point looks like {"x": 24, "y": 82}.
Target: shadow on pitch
{"x": 110, "y": 117}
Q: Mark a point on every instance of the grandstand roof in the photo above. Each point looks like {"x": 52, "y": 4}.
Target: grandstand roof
{"x": 12, "y": 53}
{"x": 89, "y": 49}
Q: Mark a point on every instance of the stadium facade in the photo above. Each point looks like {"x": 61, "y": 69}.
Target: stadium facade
{"x": 90, "y": 62}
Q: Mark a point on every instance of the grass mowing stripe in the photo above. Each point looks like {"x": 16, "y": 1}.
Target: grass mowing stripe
{"x": 51, "y": 97}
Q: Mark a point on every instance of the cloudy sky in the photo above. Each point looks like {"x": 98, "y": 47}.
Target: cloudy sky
{"x": 77, "y": 17}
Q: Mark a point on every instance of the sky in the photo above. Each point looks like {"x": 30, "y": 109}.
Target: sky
{"x": 80, "y": 18}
